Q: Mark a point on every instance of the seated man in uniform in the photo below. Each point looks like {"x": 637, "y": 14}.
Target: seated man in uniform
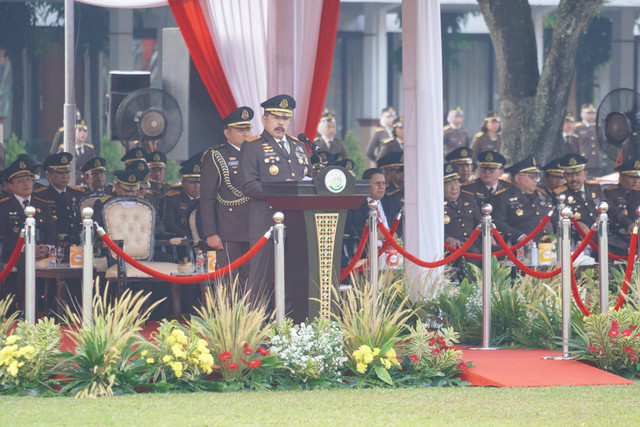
{"x": 553, "y": 176}
{"x": 133, "y": 155}
{"x": 95, "y": 176}
{"x": 61, "y": 197}
{"x": 461, "y": 212}
{"x": 582, "y": 196}
{"x": 462, "y": 157}
{"x": 178, "y": 203}
{"x": 157, "y": 163}
{"x": 519, "y": 209}
{"x": 619, "y": 197}
{"x": 491, "y": 167}
{"x": 392, "y": 166}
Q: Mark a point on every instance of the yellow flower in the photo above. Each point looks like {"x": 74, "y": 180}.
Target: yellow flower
{"x": 171, "y": 340}
{"x": 166, "y": 358}
{"x": 361, "y": 367}
{"x": 150, "y": 360}
{"x": 368, "y": 358}
{"x": 13, "y": 368}
{"x": 385, "y": 363}
{"x": 390, "y": 354}
{"x": 11, "y": 339}
{"x": 27, "y": 351}
{"x": 144, "y": 353}
{"x": 376, "y": 351}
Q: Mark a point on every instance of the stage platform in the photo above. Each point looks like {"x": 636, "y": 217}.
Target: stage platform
{"x": 526, "y": 368}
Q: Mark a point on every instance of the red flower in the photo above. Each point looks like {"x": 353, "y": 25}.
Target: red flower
{"x": 245, "y": 345}
{"x": 232, "y": 366}
{"x": 629, "y": 350}
{"x": 614, "y": 324}
{"x": 263, "y": 351}
{"x": 614, "y": 342}
{"x": 215, "y": 367}
{"x": 254, "y": 364}
{"x": 436, "y": 351}
{"x": 242, "y": 360}
{"x": 626, "y": 332}
{"x": 247, "y": 351}
{"x": 602, "y": 352}
{"x": 414, "y": 358}
{"x": 592, "y": 348}
{"x": 224, "y": 356}
{"x": 633, "y": 326}
{"x": 614, "y": 333}
{"x": 461, "y": 366}
{"x": 635, "y": 359}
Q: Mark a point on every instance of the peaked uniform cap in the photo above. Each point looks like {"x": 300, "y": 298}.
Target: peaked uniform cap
{"x": 528, "y": 165}
{"x": 458, "y": 111}
{"x": 280, "y": 105}
{"x": 450, "y": 172}
{"x": 572, "y": 163}
{"x": 461, "y": 156}
{"x": 133, "y": 154}
{"x": 491, "y": 159}
{"x": 391, "y": 160}
{"x": 327, "y": 116}
{"x": 240, "y": 118}
{"x": 190, "y": 168}
{"x": 553, "y": 168}
{"x": 60, "y": 162}
{"x": 94, "y": 164}
{"x": 128, "y": 179}
{"x": 630, "y": 168}
{"x": 17, "y": 169}
{"x": 156, "y": 159}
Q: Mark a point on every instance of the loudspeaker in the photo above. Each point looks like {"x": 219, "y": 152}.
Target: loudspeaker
{"x": 121, "y": 84}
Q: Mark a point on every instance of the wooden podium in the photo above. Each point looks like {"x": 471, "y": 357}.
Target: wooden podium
{"x": 315, "y": 213}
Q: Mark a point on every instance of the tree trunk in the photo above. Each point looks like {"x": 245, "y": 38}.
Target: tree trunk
{"x": 532, "y": 106}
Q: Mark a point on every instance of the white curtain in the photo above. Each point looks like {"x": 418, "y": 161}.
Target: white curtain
{"x": 126, "y": 4}
{"x": 238, "y": 30}
{"x": 422, "y": 93}
{"x": 292, "y": 41}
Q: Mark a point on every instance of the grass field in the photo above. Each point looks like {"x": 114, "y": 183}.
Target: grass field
{"x": 599, "y": 405}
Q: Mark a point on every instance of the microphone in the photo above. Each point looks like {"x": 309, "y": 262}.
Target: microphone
{"x": 302, "y": 137}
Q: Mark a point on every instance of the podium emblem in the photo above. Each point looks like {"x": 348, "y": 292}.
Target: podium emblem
{"x": 335, "y": 180}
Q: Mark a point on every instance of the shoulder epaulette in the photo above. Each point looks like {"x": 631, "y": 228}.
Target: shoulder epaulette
{"x": 478, "y": 135}
{"x": 446, "y": 127}
{"x": 560, "y": 189}
{"x": 592, "y": 181}
{"x": 505, "y": 180}
{"x": 89, "y": 145}
{"x": 574, "y": 135}
{"x": 75, "y": 187}
{"x": 470, "y": 182}
{"x": 579, "y": 124}
{"x": 467, "y": 192}
{"x": 206, "y": 152}
{"x": 613, "y": 187}
{"x": 541, "y": 190}
{"x": 388, "y": 140}
{"x": 4, "y": 199}
{"x": 294, "y": 138}
{"x": 253, "y": 138}
{"x": 39, "y": 190}
{"x": 317, "y": 139}
{"x": 173, "y": 193}
{"x": 105, "y": 198}
{"x": 499, "y": 191}
{"x": 378, "y": 129}
{"x": 61, "y": 129}
{"x": 392, "y": 192}
{"x": 42, "y": 200}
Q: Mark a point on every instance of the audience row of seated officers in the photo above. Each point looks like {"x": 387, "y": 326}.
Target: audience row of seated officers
{"x": 223, "y": 186}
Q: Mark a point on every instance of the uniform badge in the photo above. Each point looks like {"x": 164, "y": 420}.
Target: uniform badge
{"x": 447, "y": 220}
{"x": 577, "y": 216}
{"x": 593, "y": 195}
{"x": 466, "y": 204}
{"x": 570, "y": 199}
{"x": 519, "y": 212}
{"x": 625, "y": 212}
{"x": 15, "y": 229}
{"x": 273, "y": 170}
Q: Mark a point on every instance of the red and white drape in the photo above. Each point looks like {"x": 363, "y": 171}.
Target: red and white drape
{"x": 249, "y": 50}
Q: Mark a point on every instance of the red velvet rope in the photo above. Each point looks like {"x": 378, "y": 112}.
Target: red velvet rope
{"x": 413, "y": 259}
{"x": 515, "y": 247}
{"x": 385, "y": 245}
{"x": 593, "y": 245}
{"x": 534, "y": 273}
{"x": 12, "y": 261}
{"x": 184, "y": 279}
{"x": 356, "y": 257}
{"x": 628, "y": 272}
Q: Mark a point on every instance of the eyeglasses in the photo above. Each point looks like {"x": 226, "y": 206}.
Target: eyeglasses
{"x": 379, "y": 184}
{"x": 23, "y": 180}
{"x": 486, "y": 169}
{"x": 533, "y": 176}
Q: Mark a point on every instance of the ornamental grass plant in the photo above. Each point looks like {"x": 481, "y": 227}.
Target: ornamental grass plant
{"x": 236, "y": 328}
{"x": 7, "y": 320}
{"x": 107, "y": 354}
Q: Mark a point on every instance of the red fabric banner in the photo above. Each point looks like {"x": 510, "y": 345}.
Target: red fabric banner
{"x": 322, "y": 69}
{"x": 193, "y": 26}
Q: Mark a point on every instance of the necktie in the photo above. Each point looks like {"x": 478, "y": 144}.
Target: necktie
{"x": 491, "y": 190}
{"x": 284, "y": 145}
{"x": 25, "y": 203}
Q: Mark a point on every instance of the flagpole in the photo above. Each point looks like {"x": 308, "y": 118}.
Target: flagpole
{"x": 69, "y": 117}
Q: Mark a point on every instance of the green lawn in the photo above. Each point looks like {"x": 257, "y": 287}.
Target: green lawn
{"x": 598, "y": 405}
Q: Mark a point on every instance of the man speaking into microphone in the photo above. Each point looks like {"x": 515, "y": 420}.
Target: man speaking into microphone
{"x": 272, "y": 156}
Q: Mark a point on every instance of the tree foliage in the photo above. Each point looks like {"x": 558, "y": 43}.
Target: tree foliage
{"x": 532, "y": 104}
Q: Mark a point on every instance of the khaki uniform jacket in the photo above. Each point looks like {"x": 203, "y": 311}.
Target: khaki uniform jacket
{"x": 481, "y": 192}
{"x": 517, "y": 214}
{"x": 12, "y": 219}
{"x": 380, "y": 135}
{"x": 482, "y": 142}
{"x": 461, "y": 218}
{"x": 454, "y": 138}
{"x": 337, "y": 146}
{"x": 224, "y": 209}
{"x": 589, "y": 146}
{"x": 391, "y": 145}
{"x": 585, "y": 209}
{"x": 64, "y": 208}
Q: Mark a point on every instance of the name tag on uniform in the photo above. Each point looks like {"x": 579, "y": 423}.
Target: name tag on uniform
{"x": 234, "y": 163}
{"x": 128, "y": 205}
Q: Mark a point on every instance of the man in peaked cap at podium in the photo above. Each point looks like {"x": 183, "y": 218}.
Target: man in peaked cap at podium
{"x": 224, "y": 208}
{"x": 272, "y": 156}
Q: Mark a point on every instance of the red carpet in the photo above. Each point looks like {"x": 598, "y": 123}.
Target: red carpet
{"x": 526, "y": 368}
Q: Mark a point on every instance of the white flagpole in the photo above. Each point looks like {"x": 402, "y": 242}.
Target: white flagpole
{"x": 69, "y": 95}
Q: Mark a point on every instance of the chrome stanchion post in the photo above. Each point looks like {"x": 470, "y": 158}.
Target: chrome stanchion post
{"x": 278, "y": 241}
{"x": 603, "y": 245}
{"x": 486, "y": 278}
{"x": 30, "y": 265}
{"x": 87, "y": 265}
{"x": 373, "y": 253}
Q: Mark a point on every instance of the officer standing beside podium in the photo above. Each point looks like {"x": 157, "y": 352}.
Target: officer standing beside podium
{"x": 272, "y": 156}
